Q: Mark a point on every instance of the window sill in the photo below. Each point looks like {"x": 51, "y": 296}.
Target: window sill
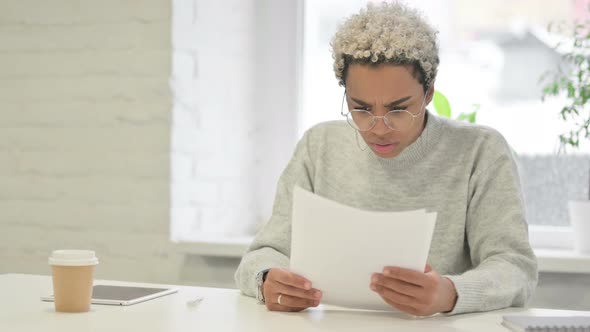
{"x": 550, "y": 260}
{"x": 217, "y": 247}
{"x": 562, "y": 261}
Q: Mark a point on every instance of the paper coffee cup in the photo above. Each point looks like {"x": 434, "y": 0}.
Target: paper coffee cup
{"x": 73, "y": 274}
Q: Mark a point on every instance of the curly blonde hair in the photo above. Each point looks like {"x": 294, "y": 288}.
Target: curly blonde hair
{"x": 387, "y": 33}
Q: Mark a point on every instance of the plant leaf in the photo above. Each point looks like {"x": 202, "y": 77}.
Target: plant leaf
{"x": 469, "y": 117}
{"x": 441, "y": 104}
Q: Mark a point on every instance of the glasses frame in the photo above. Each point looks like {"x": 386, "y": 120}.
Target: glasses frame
{"x": 376, "y": 118}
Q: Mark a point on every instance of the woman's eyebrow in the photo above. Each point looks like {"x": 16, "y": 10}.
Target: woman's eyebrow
{"x": 397, "y": 102}
{"x": 392, "y": 104}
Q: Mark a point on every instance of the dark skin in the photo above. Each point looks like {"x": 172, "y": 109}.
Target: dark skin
{"x": 378, "y": 89}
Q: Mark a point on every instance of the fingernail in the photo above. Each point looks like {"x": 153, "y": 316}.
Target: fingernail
{"x": 374, "y": 279}
{"x": 373, "y": 287}
{"x": 307, "y": 285}
{"x": 317, "y": 294}
{"x": 387, "y": 272}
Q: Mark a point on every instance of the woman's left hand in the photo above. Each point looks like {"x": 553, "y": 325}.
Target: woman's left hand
{"x": 416, "y": 293}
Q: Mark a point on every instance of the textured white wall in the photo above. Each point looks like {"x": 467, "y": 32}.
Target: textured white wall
{"x": 235, "y": 112}
{"x": 85, "y": 135}
{"x": 212, "y": 143}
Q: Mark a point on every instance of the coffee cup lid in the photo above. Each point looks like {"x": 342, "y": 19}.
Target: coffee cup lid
{"x": 73, "y": 258}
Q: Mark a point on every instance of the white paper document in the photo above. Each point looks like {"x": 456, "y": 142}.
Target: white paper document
{"x": 338, "y": 247}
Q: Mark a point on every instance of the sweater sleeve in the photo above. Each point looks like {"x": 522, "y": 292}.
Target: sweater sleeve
{"x": 272, "y": 244}
{"x": 504, "y": 266}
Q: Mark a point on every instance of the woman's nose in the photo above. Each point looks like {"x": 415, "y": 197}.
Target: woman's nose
{"x": 380, "y": 128}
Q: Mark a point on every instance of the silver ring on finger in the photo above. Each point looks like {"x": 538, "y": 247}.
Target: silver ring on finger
{"x": 279, "y": 299}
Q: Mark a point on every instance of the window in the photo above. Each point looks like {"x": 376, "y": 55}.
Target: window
{"x": 492, "y": 55}
{"x": 230, "y": 143}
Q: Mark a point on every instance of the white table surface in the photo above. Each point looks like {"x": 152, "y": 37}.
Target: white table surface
{"x": 221, "y": 310}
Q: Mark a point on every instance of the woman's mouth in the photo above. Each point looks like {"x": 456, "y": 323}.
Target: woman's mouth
{"x": 384, "y": 148}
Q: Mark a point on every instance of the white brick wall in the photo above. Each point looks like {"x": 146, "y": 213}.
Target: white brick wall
{"x": 235, "y": 115}
{"x": 86, "y": 146}
{"x": 212, "y": 142}
{"x": 85, "y": 135}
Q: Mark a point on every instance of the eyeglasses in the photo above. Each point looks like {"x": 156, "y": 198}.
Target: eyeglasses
{"x": 363, "y": 120}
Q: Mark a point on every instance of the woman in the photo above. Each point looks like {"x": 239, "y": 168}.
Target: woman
{"x": 391, "y": 155}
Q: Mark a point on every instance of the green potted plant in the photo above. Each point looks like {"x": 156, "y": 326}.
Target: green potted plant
{"x": 571, "y": 80}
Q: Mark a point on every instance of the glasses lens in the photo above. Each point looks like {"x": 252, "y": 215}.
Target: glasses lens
{"x": 361, "y": 120}
{"x": 399, "y": 120}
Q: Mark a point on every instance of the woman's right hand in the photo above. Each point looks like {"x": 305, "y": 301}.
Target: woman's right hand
{"x": 293, "y": 291}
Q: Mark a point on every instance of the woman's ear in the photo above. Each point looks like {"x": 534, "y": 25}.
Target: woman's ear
{"x": 429, "y": 94}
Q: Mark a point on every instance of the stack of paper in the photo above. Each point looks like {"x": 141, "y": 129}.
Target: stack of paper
{"x": 338, "y": 247}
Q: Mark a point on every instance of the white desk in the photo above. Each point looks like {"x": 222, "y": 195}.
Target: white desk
{"x": 221, "y": 310}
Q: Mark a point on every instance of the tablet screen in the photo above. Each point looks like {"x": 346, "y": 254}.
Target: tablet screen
{"x": 122, "y": 293}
